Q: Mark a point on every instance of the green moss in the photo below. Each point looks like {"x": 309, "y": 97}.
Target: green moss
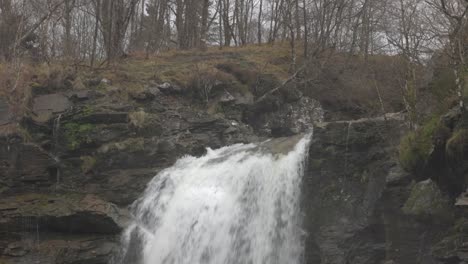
{"x": 426, "y": 199}
{"x": 87, "y": 110}
{"x": 457, "y": 145}
{"x": 416, "y": 147}
{"x": 77, "y": 134}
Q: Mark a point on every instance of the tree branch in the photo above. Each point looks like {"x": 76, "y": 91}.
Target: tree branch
{"x": 292, "y": 77}
{"x": 38, "y": 23}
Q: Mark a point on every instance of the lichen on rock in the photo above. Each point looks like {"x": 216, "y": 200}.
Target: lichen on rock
{"x": 426, "y": 199}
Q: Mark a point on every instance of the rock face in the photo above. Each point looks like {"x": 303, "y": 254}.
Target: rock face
{"x": 275, "y": 116}
{"x": 4, "y": 112}
{"x": 74, "y": 164}
{"x": 360, "y": 206}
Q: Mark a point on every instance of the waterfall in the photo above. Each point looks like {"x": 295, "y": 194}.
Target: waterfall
{"x": 235, "y": 205}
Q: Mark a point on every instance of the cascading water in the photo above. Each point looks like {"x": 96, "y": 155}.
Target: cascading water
{"x": 235, "y": 205}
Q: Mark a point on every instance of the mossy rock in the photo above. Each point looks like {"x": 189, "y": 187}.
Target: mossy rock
{"x": 426, "y": 199}
{"x": 417, "y": 146}
{"x": 77, "y": 134}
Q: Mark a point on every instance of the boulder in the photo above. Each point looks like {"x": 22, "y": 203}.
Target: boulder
{"x": 426, "y": 199}
{"x": 45, "y": 107}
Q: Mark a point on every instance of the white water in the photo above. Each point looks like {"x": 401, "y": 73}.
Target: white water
{"x": 235, "y": 205}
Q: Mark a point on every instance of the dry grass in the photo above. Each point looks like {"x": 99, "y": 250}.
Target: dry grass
{"x": 15, "y": 87}
{"x": 335, "y": 79}
{"x": 238, "y": 67}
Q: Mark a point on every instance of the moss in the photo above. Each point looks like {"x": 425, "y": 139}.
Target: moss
{"x": 457, "y": 146}
{"x": 426, "y": 199}
{"x": 416, "y": 147}
{"x": 87, "y": 164}
{"x": 77, "y": 134}
{"x": 87, "y": 110}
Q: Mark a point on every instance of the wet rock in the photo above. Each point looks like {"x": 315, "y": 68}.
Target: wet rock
{"x": 102, "y": 118}
{"x": 15, "y": 249}
{"x": 97, "y": 251}
{"x": 207, "y": 124}
{"x": 56, "y": 250}
{"x": 70, "y": 213}
{"x": 347, "y": 175}
{"x": 25, "y": 166}
{"x": 273, "y": 118}
{"x": 282, "y": 145}
{"x": 5, "y": 114}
